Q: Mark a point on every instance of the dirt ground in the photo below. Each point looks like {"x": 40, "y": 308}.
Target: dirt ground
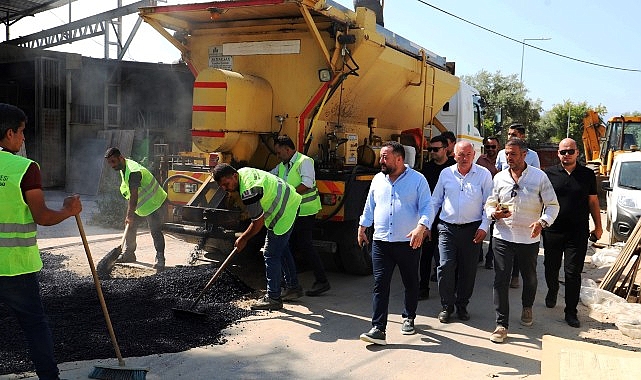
{"x": 318, "y": 337}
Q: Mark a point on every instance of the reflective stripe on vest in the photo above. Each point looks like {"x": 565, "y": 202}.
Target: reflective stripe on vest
{"x": 150, "y": 195}
{"x": 18, "y": 245}
{"x": 279, "y": 202}
{"x": 310, "y": 204}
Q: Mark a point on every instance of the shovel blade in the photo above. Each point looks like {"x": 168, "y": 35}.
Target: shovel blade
{"x": 107, "y": 263}
{"x": 188, "y": 314}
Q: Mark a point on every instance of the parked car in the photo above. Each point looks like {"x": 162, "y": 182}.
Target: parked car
{"x": 623, "y": 196}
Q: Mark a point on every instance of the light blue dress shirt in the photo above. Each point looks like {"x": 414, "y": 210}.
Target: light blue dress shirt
{"x": 531, "y": 158}
{"x": 395, "y": 209}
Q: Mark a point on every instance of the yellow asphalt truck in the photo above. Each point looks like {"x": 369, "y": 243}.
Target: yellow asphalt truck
{"x": 330, "y": 78}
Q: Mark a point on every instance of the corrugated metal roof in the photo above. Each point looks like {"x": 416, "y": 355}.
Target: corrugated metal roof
{"x": 11, "y": 10}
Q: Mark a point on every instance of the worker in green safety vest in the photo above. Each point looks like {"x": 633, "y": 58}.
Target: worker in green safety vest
{"x": 271, "y": 203}
{"x": 297, "y": 169}
{"x": 145, "y": 197}
{"x": 22, "y": 206}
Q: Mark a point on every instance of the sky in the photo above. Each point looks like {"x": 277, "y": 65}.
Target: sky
{"x": 601, "y": 32}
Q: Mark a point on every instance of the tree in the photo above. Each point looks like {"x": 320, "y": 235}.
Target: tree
{"x": 554, "y": 126}
{"x": 507, "y": 94}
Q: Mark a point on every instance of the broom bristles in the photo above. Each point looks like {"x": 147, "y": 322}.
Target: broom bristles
{"x": 118, "y": 373}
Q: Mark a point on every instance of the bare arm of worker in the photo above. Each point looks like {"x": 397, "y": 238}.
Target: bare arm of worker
{"x": 417, "y": 236}
{"x": 301, "y": 188}
{"x": 131, "y": 206}
{"x": 45, "y": 216}
{"x": 253, "y": 228}
{"x": 595, "y": 211}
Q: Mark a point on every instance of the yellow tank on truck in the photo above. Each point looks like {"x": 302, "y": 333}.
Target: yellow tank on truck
{"x": 291, "y": 44}
{"x": 229, "y": 111}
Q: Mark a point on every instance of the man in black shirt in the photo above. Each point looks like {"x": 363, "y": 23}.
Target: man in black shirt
{"x": 575, "y": 188}
{"x": 431, "y": 170}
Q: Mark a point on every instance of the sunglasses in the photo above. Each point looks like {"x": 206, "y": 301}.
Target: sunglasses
{"x": 567, "y": 151}
{"x": 490, "y": 147}
{"x": 514, "y": 189}
{"x": 434, "y": 149}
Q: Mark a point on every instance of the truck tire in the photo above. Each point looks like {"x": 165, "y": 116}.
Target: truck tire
{"x": 356, "y": 260}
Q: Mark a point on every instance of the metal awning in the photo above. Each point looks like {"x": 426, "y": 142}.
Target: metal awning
{"x": 14, "y": 10}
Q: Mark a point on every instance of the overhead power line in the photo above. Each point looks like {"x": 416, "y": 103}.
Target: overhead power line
{"x": 528, "y": 45}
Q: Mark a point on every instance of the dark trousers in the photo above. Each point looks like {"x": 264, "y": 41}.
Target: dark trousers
{"x": 21, "y": 294}
{"x": 385, "y": 257}
{"x": 489, "y": 256}
{"x": 300, "y": 243}
{"x": 456, "y": 272}
{"x": 154, "y": 220}
{"x": 429, "y": 251}
{"x": 504, "y": 253}
{"x": 574, "y": 246}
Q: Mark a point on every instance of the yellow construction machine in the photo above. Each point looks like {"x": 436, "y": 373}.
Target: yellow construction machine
{"x": 332, "y": 79}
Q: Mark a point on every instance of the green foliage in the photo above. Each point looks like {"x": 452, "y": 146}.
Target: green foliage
{"x": 508, "y": 94}
{"x": 553, "y": 126}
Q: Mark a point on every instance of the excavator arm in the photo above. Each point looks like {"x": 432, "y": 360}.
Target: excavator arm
{"x": 593, "y": 130}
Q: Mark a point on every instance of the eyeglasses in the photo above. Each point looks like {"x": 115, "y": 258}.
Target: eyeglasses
{"x": 567, "y": 151}
{"x": 434, "y": 148}
{"x": 490, "y": 147}
{"x": 514, "y": 189}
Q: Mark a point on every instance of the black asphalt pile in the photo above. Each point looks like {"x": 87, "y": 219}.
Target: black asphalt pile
{"x": 140, "y": 311}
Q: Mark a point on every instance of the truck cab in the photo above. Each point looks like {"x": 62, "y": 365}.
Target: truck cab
{"x": 623, "y": 196}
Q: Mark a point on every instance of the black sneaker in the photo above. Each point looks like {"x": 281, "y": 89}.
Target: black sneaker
{"x": 462, "y": 313}
{"x": 550, "y": 299}
{"x": 444, "y": 316}
{"x": 375, "y": 336}
{"x": 291, "y": 294}
{"x": 407, "y": 328}
{"x": 318, "y": 288}
{"x": 572, "y": 320}
{"x": 268, "y": 303}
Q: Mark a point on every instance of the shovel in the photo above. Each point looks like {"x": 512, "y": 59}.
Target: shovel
{"x": 107, "y": 263}
{"x": 191, "y": 313}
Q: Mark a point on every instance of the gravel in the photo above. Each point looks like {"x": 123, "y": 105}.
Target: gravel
{"x": 140, "y": 311}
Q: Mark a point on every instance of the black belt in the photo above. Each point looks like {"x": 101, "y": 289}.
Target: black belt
{"x": 464, "y": 225}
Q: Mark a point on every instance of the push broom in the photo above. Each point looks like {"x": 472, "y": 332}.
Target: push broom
{"x": 119, "y": 372}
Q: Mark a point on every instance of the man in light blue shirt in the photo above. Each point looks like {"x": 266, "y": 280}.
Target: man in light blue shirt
{"x": 460, "y": 194}
{"x": 532, "y": 158}
{"x": 397, "y": 205}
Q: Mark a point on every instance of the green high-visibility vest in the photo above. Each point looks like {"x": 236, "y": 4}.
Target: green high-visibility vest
{"x": 279, "y": 200}
{"x": 150, "y": 194}
{"x": 18, "y": 247}
{"x": 310, "y": 204}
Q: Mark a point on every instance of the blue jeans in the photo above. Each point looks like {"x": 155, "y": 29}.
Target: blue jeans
{"x": 275, "y": 251}
{"x": 504, "y": 254}
{"x": 22, "y": 295}
{"x": 385, "y": 257}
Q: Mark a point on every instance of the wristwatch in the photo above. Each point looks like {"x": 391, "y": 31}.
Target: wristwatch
{"x": 544, "y": 224}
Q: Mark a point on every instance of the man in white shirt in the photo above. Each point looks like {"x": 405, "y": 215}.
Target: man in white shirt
{"x": 523, "y": 202}
{"x": 460, "y": 193}
{"x": 532, "y": 159}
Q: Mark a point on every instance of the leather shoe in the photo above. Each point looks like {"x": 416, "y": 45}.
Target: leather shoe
{"x": 550, "y": 299}
{"x": 462, "y": 313}
{"x": 572, "y": 320}
{"x": 444, "y": 316}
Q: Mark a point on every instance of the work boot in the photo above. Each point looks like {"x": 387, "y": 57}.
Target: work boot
{"x": 318, "y": 288}
{"x": 268, "y": 303}
{"x": 526, "y": 316}
{"x": 159, "y": 263}
{"x": 127, "y": 258}
{"x": 291, "y": 294}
